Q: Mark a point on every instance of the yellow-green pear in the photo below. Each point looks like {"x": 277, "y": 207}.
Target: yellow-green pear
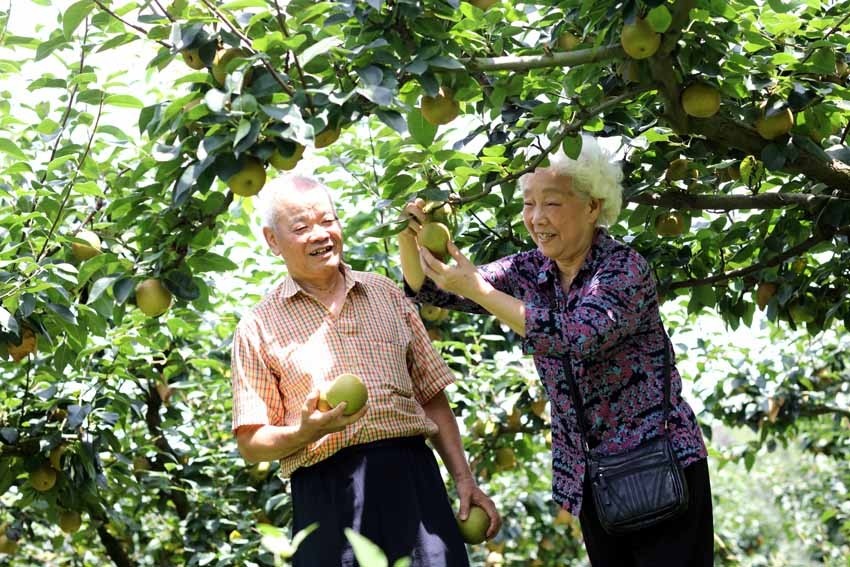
{"x": 440, "y": 109}
{"x": 779, "y": 124}
{"x": 248, "y": 181}
{"x": 639, "y": 40}
{"x": 435, "y": 237}
{"x": 70, "y": 521}
{"x": 192, "y": 58}
{"x": 700, "y": 100}
{"x": 152, "y": 297}
{"x": 347, "y": 388}
{"x": 483, "y": 4}
{"x": 222, "y": 58}
{"x": 474, "y": 528}
{"x": 326, "y": 137}
{"x": 89, "y": 249}
{"x": 43, "y": 478}
{"x": 285, "y": 163}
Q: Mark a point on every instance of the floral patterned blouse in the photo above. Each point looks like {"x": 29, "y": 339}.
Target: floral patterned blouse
{"x": 609, "y": 328}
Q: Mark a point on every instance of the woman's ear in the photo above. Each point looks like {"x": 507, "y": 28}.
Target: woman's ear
{"x": 595, "y": 208}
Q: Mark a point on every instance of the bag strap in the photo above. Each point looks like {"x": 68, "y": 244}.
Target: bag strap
{"x": 579, "y": 406}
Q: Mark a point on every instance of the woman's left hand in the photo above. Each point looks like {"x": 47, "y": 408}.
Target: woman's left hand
{"x": 462, "y": 278}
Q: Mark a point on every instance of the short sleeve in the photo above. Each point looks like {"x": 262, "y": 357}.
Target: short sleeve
{"x": 428, "y": 371}
{"x": 256, "y": 397}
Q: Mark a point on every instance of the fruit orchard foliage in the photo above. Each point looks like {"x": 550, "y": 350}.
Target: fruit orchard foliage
{"x": 134, "y": 410}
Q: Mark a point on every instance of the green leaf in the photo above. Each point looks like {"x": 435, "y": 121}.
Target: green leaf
{"x": 182, "y": 285}
{"x": 421, "y": 130}
{"x": 88, "y": 188}
{"x": 122, "y": 288}
{"x": 65, "y": 313}
{"x": 572, "y": 146}
{"x": 123, "y": 101}
{"x": 242, "y": 130}
{"x": 51, "y": 45}
{"x": 74, "y": 15}
{"x": 99, "y": 287}
{"x": 366, "y": 552}
{"x": 210, "y": 262}
{"x": 319, "y": 48}
{"x": 393, "y": 119}
{"x": 9, "y": 147}
{"x": 444, "y": 62}
{"x": 773, "y": 157}
{"x": 241, "y": 4}
{"x": 8, "y": 322}
{"x": 660, "y": 18}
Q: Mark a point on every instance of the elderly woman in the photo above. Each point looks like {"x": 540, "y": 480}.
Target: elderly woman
{"x": 584, "y": 297}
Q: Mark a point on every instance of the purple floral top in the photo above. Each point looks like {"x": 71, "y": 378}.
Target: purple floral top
{"x": 610, "y": 328}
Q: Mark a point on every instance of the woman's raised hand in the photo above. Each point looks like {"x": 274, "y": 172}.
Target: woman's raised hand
{"x": 461, "y": 278}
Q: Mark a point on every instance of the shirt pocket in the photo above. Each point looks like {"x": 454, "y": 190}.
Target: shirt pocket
{"x": 300, "y": 369}
{"x": 384, "y": 362}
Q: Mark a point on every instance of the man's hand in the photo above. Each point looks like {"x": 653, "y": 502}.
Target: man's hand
{"x": 315, "y": 423}
{"x": 469, "y": 494}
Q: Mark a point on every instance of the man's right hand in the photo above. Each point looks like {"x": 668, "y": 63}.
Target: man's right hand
{"x": 316, "y": 423}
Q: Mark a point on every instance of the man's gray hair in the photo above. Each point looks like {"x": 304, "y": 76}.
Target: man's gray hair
{"x": 593, "y": 174}
{"x": 269, "y": 199}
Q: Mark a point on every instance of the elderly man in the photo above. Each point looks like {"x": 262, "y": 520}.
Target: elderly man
{"x": 370, "y": 471}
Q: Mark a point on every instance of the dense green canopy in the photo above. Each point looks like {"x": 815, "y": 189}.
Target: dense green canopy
{"x": 733, "y": 135}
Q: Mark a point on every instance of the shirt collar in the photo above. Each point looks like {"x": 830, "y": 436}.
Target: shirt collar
{"x": 549, "y": 269}
{"x": 289, "y": 287}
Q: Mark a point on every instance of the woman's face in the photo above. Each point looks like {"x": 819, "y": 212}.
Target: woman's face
{"x": 560, "y": 221}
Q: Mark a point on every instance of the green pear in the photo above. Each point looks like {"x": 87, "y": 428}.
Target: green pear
{"x": 474, "y": 528}
{"x": 347, "y": 388}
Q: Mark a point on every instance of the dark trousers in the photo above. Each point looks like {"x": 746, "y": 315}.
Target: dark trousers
{"x": 391, "y": 492}
{"x": 685, "y": 541}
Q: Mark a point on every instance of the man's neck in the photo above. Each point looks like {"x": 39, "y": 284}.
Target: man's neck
{"x": 324, "y": 285}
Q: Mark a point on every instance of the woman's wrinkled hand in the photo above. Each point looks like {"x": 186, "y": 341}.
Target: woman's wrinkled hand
{"x": 461, "y": 278}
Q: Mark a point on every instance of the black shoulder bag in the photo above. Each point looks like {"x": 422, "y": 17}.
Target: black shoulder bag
{"x": 638, "y": 488}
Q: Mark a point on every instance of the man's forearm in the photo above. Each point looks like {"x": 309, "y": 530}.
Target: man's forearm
{"x": 447, "y": 441}
{"x": 270, "y": 442}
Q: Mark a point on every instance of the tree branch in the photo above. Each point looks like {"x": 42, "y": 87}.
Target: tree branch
{"x": 138, "y": 28}
{"x": 792, "y": 252}
{"x": 250, "y": 45}
{"x": 568, "y": 129}
{"x": 67, "y": 192}
{"x": 281, "y": 21}
{"x": 763, "y": 201}
{"x": 728, "y": 132}
{"x": 555, "y": 59}
{"x": 823, "y": 410}
{"x": 114, "y": 550}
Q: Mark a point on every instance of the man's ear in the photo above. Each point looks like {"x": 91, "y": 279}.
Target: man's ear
{"x": 271, "y": 240}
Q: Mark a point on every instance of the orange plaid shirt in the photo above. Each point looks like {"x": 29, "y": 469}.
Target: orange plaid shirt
{"x": 290, "y": 343}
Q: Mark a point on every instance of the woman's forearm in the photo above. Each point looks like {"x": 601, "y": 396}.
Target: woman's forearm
{"x": 506, "y": 308}
{"x": 410, "y": 265}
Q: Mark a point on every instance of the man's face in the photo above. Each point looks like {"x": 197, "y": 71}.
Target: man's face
{"x": 306, "y": 234}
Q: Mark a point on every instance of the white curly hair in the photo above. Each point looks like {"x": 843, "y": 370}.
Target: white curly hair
{"x": 594, "y": 174}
